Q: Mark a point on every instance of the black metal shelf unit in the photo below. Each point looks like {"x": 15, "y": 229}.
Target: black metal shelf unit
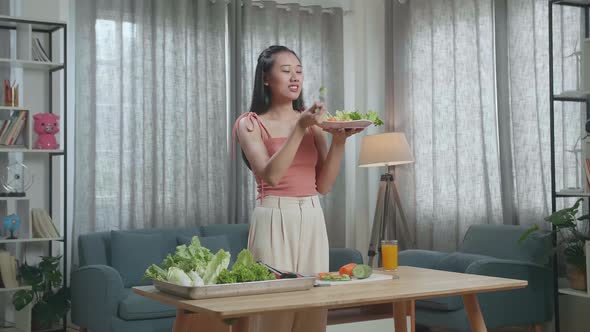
{"x": 50, "y": 28}
{"x": 571, "y": 96}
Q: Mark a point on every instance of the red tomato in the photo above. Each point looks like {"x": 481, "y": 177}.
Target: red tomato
{"x": 347, "y": 269}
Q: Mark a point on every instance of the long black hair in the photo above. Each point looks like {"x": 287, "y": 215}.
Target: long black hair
{"x": 261, "y": 96}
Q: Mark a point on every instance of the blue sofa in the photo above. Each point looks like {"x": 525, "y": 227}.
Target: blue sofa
{"x": 491, "y": 250}
{"x": 110, "y": 263}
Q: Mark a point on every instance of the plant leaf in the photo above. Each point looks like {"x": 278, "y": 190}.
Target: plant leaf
{"x": 527, "y": 233}
{"x": 22, "y": 298}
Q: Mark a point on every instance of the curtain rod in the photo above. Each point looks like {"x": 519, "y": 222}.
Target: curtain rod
{"x": 307, "y": 9}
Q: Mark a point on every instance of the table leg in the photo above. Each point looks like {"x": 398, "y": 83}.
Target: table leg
{"x": 399, "y": 316}
{"x": 181, "y": 322}
{"x": 474, "y": 313}
{"x": 411, "y": 311}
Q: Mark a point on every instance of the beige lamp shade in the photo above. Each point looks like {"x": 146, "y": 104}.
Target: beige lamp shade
{"x": 387, "y": 149}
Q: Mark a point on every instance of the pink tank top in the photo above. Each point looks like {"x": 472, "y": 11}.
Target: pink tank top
{"x": 300, "y": 178}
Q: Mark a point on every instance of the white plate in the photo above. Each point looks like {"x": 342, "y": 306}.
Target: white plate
{"x": 355, "y": 124}
{"x": 373, "y": 277}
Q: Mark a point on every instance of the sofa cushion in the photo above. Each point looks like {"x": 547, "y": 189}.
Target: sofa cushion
{"x": 237, "y": 236}
{"x": 457, "y": 262}
{"x": 135, "y": 307}
{"x": 502, "y": 241}
{"x": 132, "y": 253}
{"x": 213, "y": 243}
{"x": 343, "y": 256}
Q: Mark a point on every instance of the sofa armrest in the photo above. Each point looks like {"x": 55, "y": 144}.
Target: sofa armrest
{"x": 530, "y": 305}
{"x": 342, "y": 256}
{"x": 421, "y": 258}
{"x": 96, "y": 291}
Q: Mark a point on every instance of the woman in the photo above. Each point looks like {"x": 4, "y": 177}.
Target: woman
{"x": 288, "y": 154}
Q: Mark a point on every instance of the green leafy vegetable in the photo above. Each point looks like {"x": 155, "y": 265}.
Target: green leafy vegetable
{"x": 193, "y": 257}
{"x": 178, "y": 276}
{"x": 192, "y": 265}
{"x": 219, "y": 262}
{"x": 155, "y": 272}
{"x": 227, "y": 277}
{"x": 373, "y": 116}
{"x": 350, "y": 116}
{"x": 331, "y": 277}
{"x": 245, "y": 269}
{"x": 195, "y": 265}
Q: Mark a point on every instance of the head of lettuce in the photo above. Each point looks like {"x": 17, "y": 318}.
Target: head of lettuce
{"x": 195, "y": 265}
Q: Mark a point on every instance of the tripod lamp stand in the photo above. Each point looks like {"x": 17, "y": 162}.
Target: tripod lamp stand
{"x": 387, "y": 150}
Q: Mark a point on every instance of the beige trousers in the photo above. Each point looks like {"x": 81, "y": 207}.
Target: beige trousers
{"x": 289, "y": 233}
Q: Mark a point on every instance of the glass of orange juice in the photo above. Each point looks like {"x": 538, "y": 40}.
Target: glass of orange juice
{"x": 389, "y": 255}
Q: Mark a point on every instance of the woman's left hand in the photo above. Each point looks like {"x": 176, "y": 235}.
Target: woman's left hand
{"x": 340, "y": 135}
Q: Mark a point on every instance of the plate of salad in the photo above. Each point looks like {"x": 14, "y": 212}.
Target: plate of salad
{"x": 193, "y": 272}
{"x": 351, "y": 120}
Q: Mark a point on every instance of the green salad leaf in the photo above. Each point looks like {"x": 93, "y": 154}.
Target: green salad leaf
{"x": 190, "y": 265}
{"x": 350, "y": 116}
{"x": 219, "y": 262}
{"x": 245, "y": 269}
{"x": 193, "y": 257}
{"x": 343, "y": 277}
{"x": 155, "y": 272}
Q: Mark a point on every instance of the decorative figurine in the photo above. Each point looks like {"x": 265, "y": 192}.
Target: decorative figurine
{"x": 12, "y": 223}
{"x": 46, "y": 126}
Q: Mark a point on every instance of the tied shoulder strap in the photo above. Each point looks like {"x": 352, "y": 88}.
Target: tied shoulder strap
{"x": 264, "y": 134}
{"x": 252, "y": 117}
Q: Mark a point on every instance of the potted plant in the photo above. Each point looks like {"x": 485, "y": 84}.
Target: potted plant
{"x": 570, "y": 241}
{"x": 51, "y": 302}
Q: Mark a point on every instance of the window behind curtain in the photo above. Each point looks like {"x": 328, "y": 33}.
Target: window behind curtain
{"x": 151, "y": 114}
{"x": 449, "y": 107}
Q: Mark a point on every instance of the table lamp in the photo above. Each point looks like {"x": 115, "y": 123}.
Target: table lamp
{"x": 386, "y": 150}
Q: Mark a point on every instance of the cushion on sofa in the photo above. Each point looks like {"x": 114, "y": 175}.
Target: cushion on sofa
{"x": 506, "y": 244}
{"x": 136, "y": 307}
{"x": 213, "y": 243}
{"x": 342, "y": 256}
{"x": 132, "y": 253}
{"x": 457, "y": 262}
{"x": 237, "y": 235}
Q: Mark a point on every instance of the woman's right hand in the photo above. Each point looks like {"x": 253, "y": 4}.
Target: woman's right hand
{"x": 312, "y": 116}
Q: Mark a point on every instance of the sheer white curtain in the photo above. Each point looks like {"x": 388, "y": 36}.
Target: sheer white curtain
{"x": 453, "y": 63}
{"x": 528, "y": 46}
{"x": 315, "y": 34}
{"x": 151, "y": 113}
{"x": 152, "y": 128}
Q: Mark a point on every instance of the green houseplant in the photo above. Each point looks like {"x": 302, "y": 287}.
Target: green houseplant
{"x": 570, "y": 241}
{"x": 51, "y": 302}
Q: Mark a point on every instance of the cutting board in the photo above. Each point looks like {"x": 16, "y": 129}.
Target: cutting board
{"x": 373, "y": 277}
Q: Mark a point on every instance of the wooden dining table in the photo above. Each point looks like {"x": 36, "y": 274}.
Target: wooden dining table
{"x": 408, "y": 284}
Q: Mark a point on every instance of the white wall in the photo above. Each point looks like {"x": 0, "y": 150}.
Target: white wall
{"x": 37, "y": 99}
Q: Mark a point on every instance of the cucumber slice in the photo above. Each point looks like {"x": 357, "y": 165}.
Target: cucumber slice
{"x": 362, "y": 271}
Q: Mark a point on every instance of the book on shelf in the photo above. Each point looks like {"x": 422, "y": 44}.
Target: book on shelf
{"x": 39, "y": 53}
{"x": 11, "y": 129}
{"x": 43, "y": 226}
{"x": 8, "y": 269}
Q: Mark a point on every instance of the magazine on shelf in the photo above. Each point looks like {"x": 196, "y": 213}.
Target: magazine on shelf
{"x": 39, "y": 53}
{"x": 8, "y": 269}
{"x": 11, "y": 129}
{"x": 43, "y": 226}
